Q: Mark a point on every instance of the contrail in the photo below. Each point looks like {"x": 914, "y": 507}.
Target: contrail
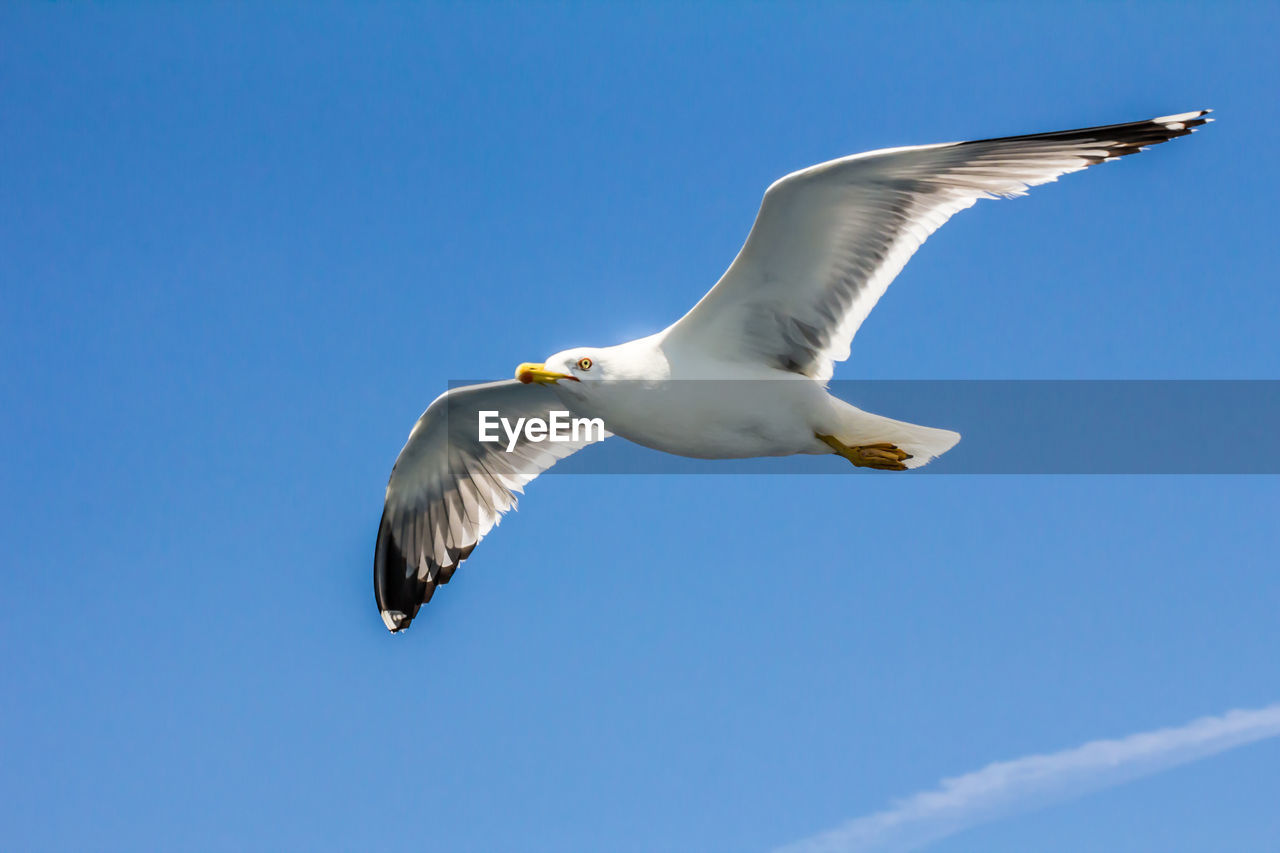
{"x": 1012, "y": 786}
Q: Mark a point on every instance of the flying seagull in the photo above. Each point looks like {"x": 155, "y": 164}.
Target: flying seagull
{"x": 825, "y": 245}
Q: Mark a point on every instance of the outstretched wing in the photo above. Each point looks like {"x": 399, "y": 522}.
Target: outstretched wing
{"x": 828, "y": 239}
{"x": 448, "y": 489}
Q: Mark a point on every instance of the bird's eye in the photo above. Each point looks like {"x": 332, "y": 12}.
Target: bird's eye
{"x": 584, "y": 363}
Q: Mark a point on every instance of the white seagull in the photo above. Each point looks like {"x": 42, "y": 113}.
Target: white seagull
{"x": 825, "y": 245}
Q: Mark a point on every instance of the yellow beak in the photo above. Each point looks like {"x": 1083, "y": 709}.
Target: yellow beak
{"x": 530, "y": 372}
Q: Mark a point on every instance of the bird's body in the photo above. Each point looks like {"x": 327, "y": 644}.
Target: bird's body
{"x": 704, "y": 408}
{"x": 744, "y": 373}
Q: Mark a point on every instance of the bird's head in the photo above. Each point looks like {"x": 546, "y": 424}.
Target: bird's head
{"x": 570, "y": 366}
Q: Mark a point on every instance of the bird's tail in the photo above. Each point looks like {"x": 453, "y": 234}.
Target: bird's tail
{"x": 856, "y": 427}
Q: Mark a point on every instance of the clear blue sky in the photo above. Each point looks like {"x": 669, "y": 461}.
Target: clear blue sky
{"x": 243, "y": 247}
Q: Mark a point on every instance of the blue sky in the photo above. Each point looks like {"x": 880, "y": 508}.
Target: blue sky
{"x": 243, "y": 247}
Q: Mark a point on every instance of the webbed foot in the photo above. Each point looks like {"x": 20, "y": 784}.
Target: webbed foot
{"x": 882, "y": 456}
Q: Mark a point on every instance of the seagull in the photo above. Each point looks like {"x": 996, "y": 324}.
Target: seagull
{"x": 826, "y": 242}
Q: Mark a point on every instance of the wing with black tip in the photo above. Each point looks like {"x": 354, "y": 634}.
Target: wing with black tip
{"x": 448, "y": 489}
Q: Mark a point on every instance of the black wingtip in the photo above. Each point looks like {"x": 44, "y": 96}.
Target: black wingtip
{"x": 398, "y": 591}
{"x": 399, "y": 586}
{"x": 1118, "y": 140}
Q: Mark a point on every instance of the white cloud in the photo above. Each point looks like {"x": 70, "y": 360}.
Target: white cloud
{"x": 1011, "y": 786}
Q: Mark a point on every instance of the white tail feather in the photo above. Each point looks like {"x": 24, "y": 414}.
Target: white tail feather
{"x": 857, "y": 427}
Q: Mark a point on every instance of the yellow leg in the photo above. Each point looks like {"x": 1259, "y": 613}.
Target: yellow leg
{"x": 884, "y": 456}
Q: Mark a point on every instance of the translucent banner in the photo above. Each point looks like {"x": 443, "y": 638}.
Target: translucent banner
{"x": 1006, "y": 426}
